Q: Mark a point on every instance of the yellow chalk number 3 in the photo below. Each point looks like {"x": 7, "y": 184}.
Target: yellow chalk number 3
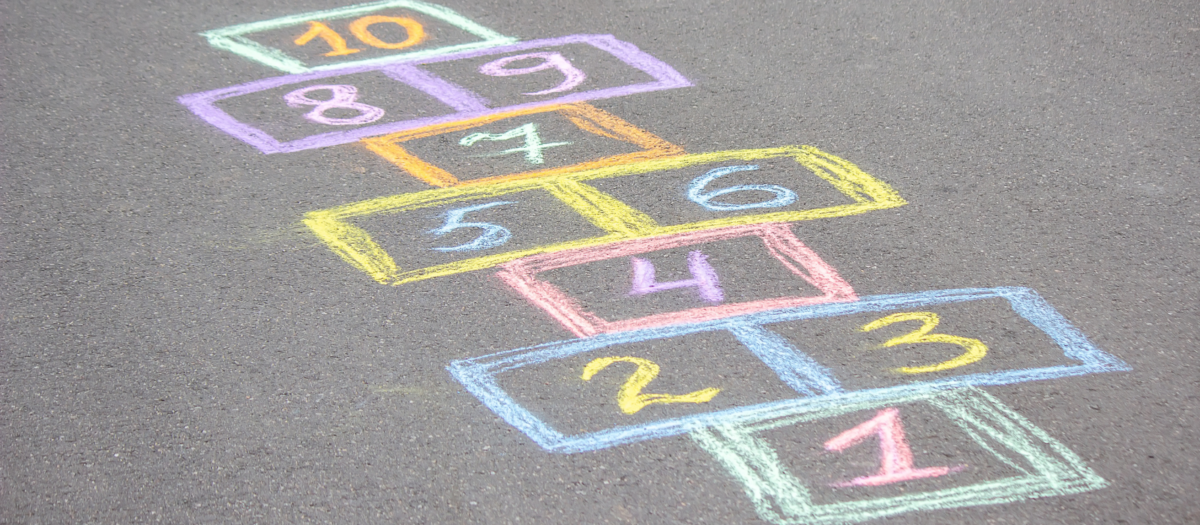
{"x": 974, "y": 349}
{"x": 630, "y": 397}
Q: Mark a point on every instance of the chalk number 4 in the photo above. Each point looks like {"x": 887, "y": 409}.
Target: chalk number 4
{"x": 630, "y": 397}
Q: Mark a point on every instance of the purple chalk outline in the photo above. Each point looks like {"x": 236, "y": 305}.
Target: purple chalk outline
{"x": 464, "y": 103}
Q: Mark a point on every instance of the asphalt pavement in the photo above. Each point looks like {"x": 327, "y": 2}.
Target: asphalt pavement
{"x": 637, "y": 261}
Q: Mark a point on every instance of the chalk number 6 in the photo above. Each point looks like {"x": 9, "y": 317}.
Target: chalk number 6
{"x": 974, "y": 349}
{"x": 630, "y": 397}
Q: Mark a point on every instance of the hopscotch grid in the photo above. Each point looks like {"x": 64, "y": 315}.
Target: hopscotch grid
{"x": 204, "y": 106}
{"x": 485, "y": 369}
{"x": 233, "y": 39}
{"x": 329, "y": 223}
{"x": 771, "y": 486}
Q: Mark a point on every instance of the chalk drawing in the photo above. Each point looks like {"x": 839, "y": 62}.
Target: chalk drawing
{"x": 461, "y": 104}
{"x": 704, "y": 278}
{"x": 533, "y": 142}
{"x": 630, "y": 397}
{"x": 235, "y": 38}
{"x": 492, "y": 236}
{"x": 336, "y": 43}
{"x": 777, "y": 239}
{"x": 974, "y": 349}
{"x": 819, "y": 390}
{"x": 361, "y": 29}
{"x": 620, "y": 222}
{"x": 696, "y": 194}
{"x": 583, "y": 115}
{"x": 731, "y": 435}
{"x": 341, "y": 97}
{"x": 572, "y": 76}
{"x": 895, "y": 456}
{"x": 1046, "y": 466}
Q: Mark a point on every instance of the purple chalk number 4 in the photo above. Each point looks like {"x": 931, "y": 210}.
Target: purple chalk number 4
{"x": 704, "y": 278}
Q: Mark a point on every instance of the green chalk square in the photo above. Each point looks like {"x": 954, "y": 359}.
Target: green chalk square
{"x": 781, "y": 498}
{"x": 231, "y": 38}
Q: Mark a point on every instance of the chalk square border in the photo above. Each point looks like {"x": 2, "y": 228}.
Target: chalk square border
{"x": 585, "y": 116}
{"x": 620, "y": 222}
{"x": 464, "y": 103}
{"x": 478, "y": 375}
{"x": 776, "y": 237}
{"x": 781, "y": 498}
{"x": 233, "y": 38}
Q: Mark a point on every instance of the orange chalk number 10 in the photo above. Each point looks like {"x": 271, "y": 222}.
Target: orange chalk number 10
{"x": 360, "y": 28}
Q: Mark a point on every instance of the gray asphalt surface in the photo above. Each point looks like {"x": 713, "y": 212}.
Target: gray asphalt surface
{"x": 179, "y": 348}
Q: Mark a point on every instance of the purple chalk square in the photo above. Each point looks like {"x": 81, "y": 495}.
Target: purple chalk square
{"x": 460, "y": 103}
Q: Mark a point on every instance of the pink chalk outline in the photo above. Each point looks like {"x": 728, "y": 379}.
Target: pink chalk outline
{"x": 777, "y": 237}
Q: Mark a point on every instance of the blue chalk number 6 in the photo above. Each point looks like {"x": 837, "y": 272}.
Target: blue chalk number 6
{"x": 695, "y": 192}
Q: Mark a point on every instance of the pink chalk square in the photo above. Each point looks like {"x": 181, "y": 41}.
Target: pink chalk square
{"x": 777, "y": 238}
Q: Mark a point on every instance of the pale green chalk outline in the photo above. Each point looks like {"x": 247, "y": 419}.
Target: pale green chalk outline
{"x": 781, "y": 498}
{"x": 231, "y": 39}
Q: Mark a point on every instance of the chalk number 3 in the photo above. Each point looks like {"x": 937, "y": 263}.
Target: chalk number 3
{"x": 630, "y": 397}
{"x": 493, "y": 235}
{"x": 974, "y": 349}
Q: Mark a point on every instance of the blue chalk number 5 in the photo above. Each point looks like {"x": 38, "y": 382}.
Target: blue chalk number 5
{"x": 491, "y": 237}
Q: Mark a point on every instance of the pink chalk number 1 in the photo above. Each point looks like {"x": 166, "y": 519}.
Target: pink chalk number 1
{"x": 572, "y": 76}
{"x": 895, "y": 457}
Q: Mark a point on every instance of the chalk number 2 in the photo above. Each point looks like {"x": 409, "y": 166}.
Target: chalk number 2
{"x": 630, "y": 397}
{"x": 974, "y": 349}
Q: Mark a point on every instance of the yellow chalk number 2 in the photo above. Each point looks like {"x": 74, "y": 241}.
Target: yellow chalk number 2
{"x": 630, "y": 397}
{"x": 974, "y": 349}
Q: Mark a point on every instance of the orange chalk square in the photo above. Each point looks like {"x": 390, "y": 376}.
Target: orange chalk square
{"x": 584, "y": 117}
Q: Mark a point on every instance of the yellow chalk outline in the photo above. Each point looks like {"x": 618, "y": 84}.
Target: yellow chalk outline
{"x": 621, "y": 222}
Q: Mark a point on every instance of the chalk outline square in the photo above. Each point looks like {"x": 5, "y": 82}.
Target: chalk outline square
{"x": 232, "y": 38}
{"x": 777, "y": 238}
{"x": 478, "y": 375}
{"x": 781, "y": 498}
{"x": 464, "y": 104}
{"x": 585, "y": 116}
{"x": 621, "y": 222}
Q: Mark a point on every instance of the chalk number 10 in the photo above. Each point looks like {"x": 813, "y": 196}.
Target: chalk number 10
{"x": 361, "y": 29}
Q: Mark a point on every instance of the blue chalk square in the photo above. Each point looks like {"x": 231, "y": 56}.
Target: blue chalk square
{"x": 812, "y": 381}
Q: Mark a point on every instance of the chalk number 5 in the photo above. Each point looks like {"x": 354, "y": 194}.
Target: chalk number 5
{"x": 974, "y": 349}
{"x": 630, "y": 397}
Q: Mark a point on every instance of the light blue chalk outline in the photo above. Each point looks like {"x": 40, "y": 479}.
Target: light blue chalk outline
{"x": 478, "y": 375}
{"x": 781, "y": 498}
{"x": 231, "y": 39}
